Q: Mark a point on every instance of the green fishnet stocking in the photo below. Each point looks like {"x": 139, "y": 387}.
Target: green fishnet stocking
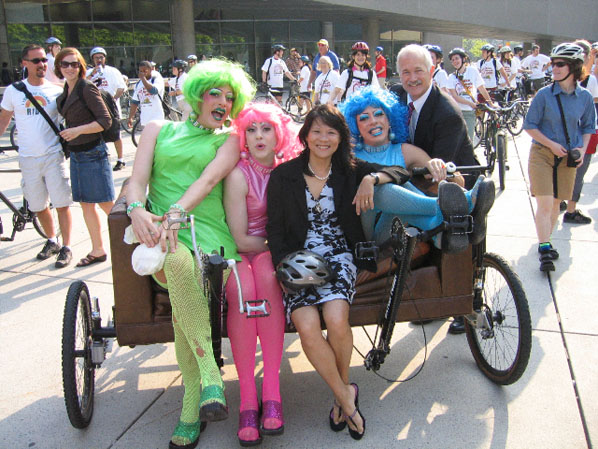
{"x": 191, "y": 321}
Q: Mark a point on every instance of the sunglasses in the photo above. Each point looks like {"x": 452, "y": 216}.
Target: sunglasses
{"x": 66, "y": 64}
{"x": 37, "y": 60}
{"x": 559, "y": 64}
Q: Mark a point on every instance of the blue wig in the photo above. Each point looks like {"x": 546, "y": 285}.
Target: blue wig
{"x": 376, "y": 97}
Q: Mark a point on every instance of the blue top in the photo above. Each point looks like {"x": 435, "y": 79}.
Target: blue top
{"x": 578, "y": 107}
{"x": 332, "y": 55}
{"x": 388, "y": 155}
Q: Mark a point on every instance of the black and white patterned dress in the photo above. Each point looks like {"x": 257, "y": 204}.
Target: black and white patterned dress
{"x": 325, "y": 237}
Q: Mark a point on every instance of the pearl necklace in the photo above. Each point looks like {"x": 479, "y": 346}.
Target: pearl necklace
{"x": 321, "y": 178}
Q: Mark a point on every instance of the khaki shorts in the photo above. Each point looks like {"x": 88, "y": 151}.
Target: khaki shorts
{"x": 540, "y": 168}
{"x": 44, "y": 176}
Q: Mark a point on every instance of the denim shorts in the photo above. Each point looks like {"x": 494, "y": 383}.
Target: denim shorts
{"x": 91, "y": 176}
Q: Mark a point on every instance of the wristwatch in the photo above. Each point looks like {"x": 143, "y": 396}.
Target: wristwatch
{"x": 376, "y": 178}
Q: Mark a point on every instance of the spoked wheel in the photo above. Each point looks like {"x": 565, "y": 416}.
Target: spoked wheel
{"x": 502, "y": 340}
{"x": 136, "y": 132}
{"x": 478, "y": 132}
{"x": 298, "y": 107}
{"x": 14, "y": 134}
{"x": 501, "y": 156}
{"x": 31, "y": 217}
{"x": 515, "y": 122}
{"x": 78, "y": 372}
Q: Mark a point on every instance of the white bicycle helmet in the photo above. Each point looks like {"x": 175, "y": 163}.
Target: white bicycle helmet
{"x": 96, "y": 50}
{"x": 303, "y": 269}
{"x": 53, "y": 41}
{"x": 567, "y": 50}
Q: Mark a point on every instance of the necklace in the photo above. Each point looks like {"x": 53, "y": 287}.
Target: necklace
{"x": 259, "y": 167}
{"x": 194, "y": 120}
{"x": 321, "y": 178}
{"x": 379, "y": 149}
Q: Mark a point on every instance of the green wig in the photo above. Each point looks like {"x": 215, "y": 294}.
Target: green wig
{"x": 216, "y": 73}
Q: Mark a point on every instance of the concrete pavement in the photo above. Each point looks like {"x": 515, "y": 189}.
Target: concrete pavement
{"x": 450, "y": 404}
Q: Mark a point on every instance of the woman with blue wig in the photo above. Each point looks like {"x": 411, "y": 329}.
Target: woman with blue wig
{"x": 378, "y": 125}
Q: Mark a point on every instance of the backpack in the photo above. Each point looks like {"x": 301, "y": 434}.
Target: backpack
{"x": 350, "y": 80}
{"x": 111, "y": 134}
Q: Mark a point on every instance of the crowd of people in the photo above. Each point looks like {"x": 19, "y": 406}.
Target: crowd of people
{"x": 272, "y": 196}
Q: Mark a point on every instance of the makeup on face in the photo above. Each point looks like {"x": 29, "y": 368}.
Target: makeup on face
{"x": 216, "y": 105}
{"x": 261, "y": 142}
{"x": 373, "y": 126}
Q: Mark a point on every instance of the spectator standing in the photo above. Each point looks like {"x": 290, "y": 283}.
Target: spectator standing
{"x": 41, "y": 160}
{"x": 110, "y": 79}
{"x": 294, "y": 62}
{"x": 325, "y": 82}
{"x": 176, "y": 85}
{"x": 304, "y": 75}
{"x": 358, "y": 74}
{"x": 274, "y": 70}
{"x": 53, "y": 46}
{"x": 439, "y": 76}
{"x": 191, "y": 60}
{"x": 490, "y": 69}
{"x": 511, "y": 66}
{"x": 324, "y": 50}
{"x": 147, "y": 96}
{"x": 561, "y": 119}
{"x": 381, "y": 67}
{"x": 537, "y": 64}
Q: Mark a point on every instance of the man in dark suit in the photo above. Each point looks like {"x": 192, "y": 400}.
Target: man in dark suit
{"x": 436, "y": 125}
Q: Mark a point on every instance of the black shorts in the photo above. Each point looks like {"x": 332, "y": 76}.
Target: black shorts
{"x": 276, "y": 91}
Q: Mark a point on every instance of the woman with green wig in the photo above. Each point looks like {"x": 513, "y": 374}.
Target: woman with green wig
{"x": 181, "y": 165}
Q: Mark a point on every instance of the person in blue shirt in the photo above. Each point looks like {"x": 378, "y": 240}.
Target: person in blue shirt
{"x": 560, "y": 120}
{"x": 324, "y": 50}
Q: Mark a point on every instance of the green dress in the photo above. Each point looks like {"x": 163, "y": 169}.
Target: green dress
{"x": 181, "y": 154}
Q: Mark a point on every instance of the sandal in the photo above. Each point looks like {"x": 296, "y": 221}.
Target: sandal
{"x": 249, "y": 419}
{"x": 336, "y": 426}
{"x": 187, "y": 431}
{"x": 354, "y": 433}
{"x": 272, "y": 409}
{"x": 212, "y": 404}
{"x": 89, "y": 259}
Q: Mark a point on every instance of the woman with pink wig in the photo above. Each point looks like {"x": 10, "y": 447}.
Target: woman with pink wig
{"x": 267, "y": 137}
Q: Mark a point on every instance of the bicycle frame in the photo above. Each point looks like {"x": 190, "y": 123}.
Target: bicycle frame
{"x": 19, "y": 218}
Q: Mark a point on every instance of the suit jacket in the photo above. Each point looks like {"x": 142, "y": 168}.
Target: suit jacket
{"x": 287, "y": 206}
{"x": 441, "y": 130}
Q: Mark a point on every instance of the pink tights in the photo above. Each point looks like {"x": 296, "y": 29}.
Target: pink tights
{"x": 258, "y": 281}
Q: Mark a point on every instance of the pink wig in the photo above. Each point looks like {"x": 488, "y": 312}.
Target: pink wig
{"x": 287, "y": 142}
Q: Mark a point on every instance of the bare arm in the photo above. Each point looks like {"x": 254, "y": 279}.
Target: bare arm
{"x": 416, "y": 157}
{"x": 118, "y": 93}
{"x": 235, "y": 205}
{"x": 5, "y": 117}
{"x": 460, "y": 99}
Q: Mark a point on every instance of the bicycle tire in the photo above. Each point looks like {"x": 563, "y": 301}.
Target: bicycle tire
{"x": 478, "y": 132}
{"x": 14, "y": 133}
{"x": 31, "y": 217}
{"x": 506, "y": 307}
{"x": 78, "y": 372}
{"x": 136, "y": 132}
{"x": 515, "y": 122}
{"x": 501, "y": 156}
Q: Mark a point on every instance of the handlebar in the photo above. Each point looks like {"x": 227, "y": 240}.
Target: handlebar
{"x": 451, "y": 169}
{"x": 499, "y": 110}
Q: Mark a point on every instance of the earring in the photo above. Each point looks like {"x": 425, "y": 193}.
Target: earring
{"x": 359, "y": 143}
{"x": 227, "y": 122}
{"x": 244, "y": 154}
{"x": 280, "y": 154}
{"x": 391, "y": 136}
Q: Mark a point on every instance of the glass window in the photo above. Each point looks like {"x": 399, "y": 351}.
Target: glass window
{"x": 162, "y": 56}
{"x": 347, "y": 31}
{"x": 150, "y": 10}
{"x": 20, "y": 35}
{"x": 79, "y": 35}
{"x": 18, "y": 11}
{"x": 207, "y": 33}
{"x": 152, "y": 34}
{"x": 236, "y": 32}
{"x": 207, "y": 51}
{"x": 305, "y": 31}
{"x": 113, "y": 34}
{"x": 111, "y": 10}
{"x": 76, "y": 11}
{"x": 272, "y": 32}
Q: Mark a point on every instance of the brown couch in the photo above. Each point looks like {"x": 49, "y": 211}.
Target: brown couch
{"x": 439, "y": 286}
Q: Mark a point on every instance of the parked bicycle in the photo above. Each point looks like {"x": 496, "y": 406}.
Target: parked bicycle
{"x": 297, "y": 106}
{"x": 170, "y": 113}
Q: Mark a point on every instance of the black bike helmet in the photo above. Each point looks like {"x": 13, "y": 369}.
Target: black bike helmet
{"x": 180, "y": 64}
{"x": 434, "y": 48}
{"x": 303, "y": 269}
{"x": 567, "y": 50}
{"x": 488, "y": 47}
{"x": 53, "y": 41}
{"x": 457, "y": 51}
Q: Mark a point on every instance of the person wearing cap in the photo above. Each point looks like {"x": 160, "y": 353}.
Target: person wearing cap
{"x": 511, "y": 66}
{"x": 439, "y": 76}
{"x": 110, "y": 79}
{"x": 490, "y": 69}
{"x": 358, "y": 74}
{"x": 53, "y": 46}
{"x": 324, "y": 50}
{"x": 536, "y": 64}
{"x": 274, "y": 70}
{"x": 561, "y": 119}
{"x": 176, "y": 87}
{"x": 294, "y": 62}
{"x": 191, "y": 60}
{"x": 380, "y": 67}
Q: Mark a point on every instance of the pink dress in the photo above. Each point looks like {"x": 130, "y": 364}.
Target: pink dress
{"x": 257, "y": 177}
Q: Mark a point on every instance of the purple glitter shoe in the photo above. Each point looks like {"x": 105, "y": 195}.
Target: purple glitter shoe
{"x": 249, "y": 418}
{"x": 272, "y": 409}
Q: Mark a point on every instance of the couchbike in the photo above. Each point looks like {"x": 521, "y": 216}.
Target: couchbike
{"x": 425, "y": 283}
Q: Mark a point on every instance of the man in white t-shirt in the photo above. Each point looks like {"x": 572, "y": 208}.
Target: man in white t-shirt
{"x": 41, "y": 160}
{"x": 53, "y": 46}
{"x": 537, "y": 64}
{"x": 274, "y": 71}
{"x": 110, "y": 79}
{"x": 146, "y": 96}
{"x": 490, "y": 68}
{"x": 176, "y": 87}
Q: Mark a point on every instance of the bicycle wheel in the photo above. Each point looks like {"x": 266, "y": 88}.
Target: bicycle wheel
{"x": 14, "y": 136}
{"x": 31, "y": 217}
{"x": 78, "y": 373}
{"x": 478, "y": 132}
{"x": 515, "y": 122}
{"x": 501, "y": 346}
{"x": 136, "y": 132}
{"x": 501, "y": 155}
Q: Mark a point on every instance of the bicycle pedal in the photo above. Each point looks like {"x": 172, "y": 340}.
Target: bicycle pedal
{"x": 261, "y": 309}
{"x": 460, "y": 224}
